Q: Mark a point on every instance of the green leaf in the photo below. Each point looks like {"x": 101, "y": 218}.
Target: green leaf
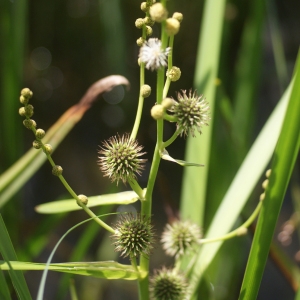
{"x": 282, "y": 166}
{"x": 122, "y": 198}
{"x": 105, "y": 269}
{"x": 165, "y": 155}
{"x": 241, "y": 187}
{"x": 4, "y": 291}
{"x": 8, "y": 253}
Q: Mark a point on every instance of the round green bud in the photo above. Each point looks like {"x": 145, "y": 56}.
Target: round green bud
{"x": 167, "y": 103}
{"x": 139, "y": 23}
{"x": 27, "y": 93}
{"x": 24, "y": 100}
{"x": 29, "y": 123}
{"x": 157, "y": 112}
{"x": 83, "y": 200}
{"x": 148, "y": 21}
{"x": 158, "y": 12}
{"x": 172, "y": 26}
{"x": 149, "y": 31}
{"x": 140, "y": 41}
{"x": 40, "y": 133}
{"x": 48, "y": 149}
{"x": 145, "y": 90}
{"x": 36, "y": 144}
{"x": 28, "y": 110}
{"x": 22, "y": 111}
{"x": 268, "y": 173}
{"x": 265, "y": 183}
{"x": 57, "y": 170}
{"x": 178, "y": 16}
{"x": 174, "y": 73}
{"x": 144, "y": 7}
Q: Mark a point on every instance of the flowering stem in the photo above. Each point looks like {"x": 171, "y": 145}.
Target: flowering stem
{"x": 240, "y": 230}
{"x": 140, "y": 105}
{"x": 170, "y": 65}
{"x": 172, "y": 138}
{"x": 136, "y": 187}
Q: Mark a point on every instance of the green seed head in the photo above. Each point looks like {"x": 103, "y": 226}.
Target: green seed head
{"x": 180, "y": 238}
{"x": 119, "y": 158}
{"x": 168, "y": 284}
{"x": 133, "y": 236}
{"x": 192, "y": 111}
{"x": 174, "y": 73}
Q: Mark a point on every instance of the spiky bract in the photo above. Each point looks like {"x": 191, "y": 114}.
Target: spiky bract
{"x": 134, "y": 235}
{"x": 192, "y": 111}
{"x": 168, "y": 284}
{"x": 119, "y": 158}
{"x": 180, "y": 238}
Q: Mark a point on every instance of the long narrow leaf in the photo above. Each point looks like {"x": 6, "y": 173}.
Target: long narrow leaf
{"x": 8, "y": 253}
{"x": 282, "y": 165}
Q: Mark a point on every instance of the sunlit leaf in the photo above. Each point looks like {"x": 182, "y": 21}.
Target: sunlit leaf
{"x": 61, "y": 206}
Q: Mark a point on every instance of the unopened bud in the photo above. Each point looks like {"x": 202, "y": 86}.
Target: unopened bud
{"x": 145, "y": 90}
{"x": 139, "y": 23}
{"x": 174, "y": 74}
{"x": 148, "y": 21}
{"x": 40, "y": 133}
{"x": 48, "y": 149}
{"x": 172, "y": 26}
{"x": 27, "y": 93}
{"x": 36, "y": 144}
{"x": 83, "y": 200}
{"x": 158, "y": 12}
{"x": 178, "y": 16}
{"x": 167, "y": 103}
{"x": 149, "y": 31}
{"x": 157, "y": 112}
{"x": 29, "y": 123}
{"x": 22, "y": 111}
{"x": 57, "y": 170}
{"x": 28, "y": 110}
{"x": 140, "y": 41}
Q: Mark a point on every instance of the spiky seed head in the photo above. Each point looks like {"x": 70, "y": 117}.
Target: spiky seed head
{"x": 119, "y": 158}
{"x": 158, "y": 12}
{"x": 133, "y": 235}
{"x": 168, "y": 284}
{"x": 172, "y": 26}
{"x": 152, "y": 54}
{"x": 192, "y": 111}
{"x": 178, "y": 16}
{"x": 174, "y": 73}
{"x": 180, "y": 238}
{"x": 40, "y": 133}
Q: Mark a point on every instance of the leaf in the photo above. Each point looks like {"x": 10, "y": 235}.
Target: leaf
{"x": 105, "y": 269}
{"x": 122, "y": 198}
{"x": 8, "y": 253}
{"x": 165, "y": 155}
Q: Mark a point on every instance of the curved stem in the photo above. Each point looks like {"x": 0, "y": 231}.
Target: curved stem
{"x": 171, "y": 139}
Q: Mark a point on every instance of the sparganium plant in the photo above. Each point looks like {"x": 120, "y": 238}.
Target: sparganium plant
{"x": 120, "y": 160}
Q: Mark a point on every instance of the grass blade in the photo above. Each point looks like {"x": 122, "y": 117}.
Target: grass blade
{"x": 282, "y": 165}
{"x": 8, "y": 253}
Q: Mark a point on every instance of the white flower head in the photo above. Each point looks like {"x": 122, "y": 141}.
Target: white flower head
{"x": 153, "y": 55}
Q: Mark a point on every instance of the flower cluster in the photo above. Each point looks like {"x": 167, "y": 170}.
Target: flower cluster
{"x": 119, "y": 158}
{"x": 191, "y": 111}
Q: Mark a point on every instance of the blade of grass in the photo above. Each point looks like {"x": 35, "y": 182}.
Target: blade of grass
{"x": 197, "y": 150}
{"x": 282, "y": 165}
{"x": 241, "y": 187}
{"x": 8, "y": 253}
{"x": 4, "y": 291}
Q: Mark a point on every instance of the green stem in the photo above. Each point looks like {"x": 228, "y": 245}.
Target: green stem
{"x": 140, "y": 105}
{"x": 170, "y": 65}
{"x": 136, "y": 187}
{"x": 171, "y": 139}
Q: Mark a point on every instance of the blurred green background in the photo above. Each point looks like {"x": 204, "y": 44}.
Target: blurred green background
{"x": 58, "y": 49}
